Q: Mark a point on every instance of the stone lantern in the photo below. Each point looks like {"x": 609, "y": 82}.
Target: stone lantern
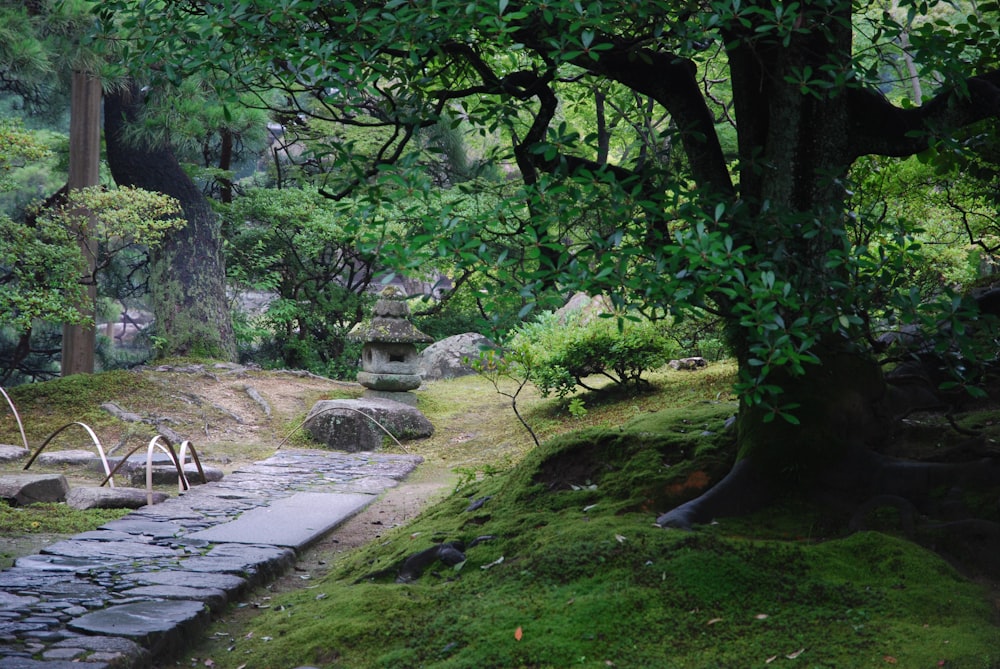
{"x": 389, "y": 355}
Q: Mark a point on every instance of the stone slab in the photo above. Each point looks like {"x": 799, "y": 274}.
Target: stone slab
{"x": 295, "y": 521}
{"x": 255, "y": 563}
{"x": 113, "y": 551}
{"x": 161, "y": 626}
{"x": 214, "y": 597}
{"x": 13, "y": 662}
{"x": 62, "y": 563}
{"x": 228, "y": 583}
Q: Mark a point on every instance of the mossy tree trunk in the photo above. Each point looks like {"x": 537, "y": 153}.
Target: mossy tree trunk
{"x": 187, "y": 275}
{"x": 796, "y": 151}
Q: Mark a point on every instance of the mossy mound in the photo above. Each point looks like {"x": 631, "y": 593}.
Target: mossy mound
{"x": 569, "y": 570}
{"x": 650, "y": 463}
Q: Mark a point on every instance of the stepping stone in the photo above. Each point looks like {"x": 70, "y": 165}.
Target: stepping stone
{"x": 24, "y": 489}
{"x": 93, "y": 497}
{"x": 68, "y": 457}
{"x": 295, "y": 521}
{"x": 167, "y": 474}
{"x": 10, "y": 453}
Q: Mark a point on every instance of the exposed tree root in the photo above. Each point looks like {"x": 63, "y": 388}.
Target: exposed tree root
{"x": 740, "y": 492}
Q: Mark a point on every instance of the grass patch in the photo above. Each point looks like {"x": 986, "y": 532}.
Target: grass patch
{"x": 53, "y": 518}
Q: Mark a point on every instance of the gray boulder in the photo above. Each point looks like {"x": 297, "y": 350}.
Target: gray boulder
{"x": 354, "y": 425}
{"x": 445, "y": 359}
{"x": 24, "y": 489}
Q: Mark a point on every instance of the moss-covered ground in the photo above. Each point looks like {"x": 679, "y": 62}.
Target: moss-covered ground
{"x": 564, "y": 565}
{"x": 565, "y": 568}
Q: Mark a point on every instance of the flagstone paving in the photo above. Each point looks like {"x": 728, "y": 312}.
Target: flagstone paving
{"x": 146, "y": 585}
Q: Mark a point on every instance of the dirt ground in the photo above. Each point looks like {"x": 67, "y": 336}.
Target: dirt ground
{"x": 235, "y": 415}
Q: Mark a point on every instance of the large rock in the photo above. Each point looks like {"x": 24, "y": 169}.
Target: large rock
{"x": 445, "y": 359}
{"x": 586, "y": 307}
{"x": 354, "y": 425}
{"x": 24, "y": 489}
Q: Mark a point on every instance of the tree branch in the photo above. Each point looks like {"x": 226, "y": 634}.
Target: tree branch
{"x": 881, "y": 128}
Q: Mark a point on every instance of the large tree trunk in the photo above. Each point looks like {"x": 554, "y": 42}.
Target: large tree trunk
{"x": 79, "y": 341}
{"x": 188, "y": 278}
{"x": 795, "y": 153}
{"x": 843, "y": 411}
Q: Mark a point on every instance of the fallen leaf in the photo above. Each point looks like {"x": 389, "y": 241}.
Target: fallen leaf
{"x": 713, "y": 621}
{"x": 771, "y": 659}
{"x": 890, "y": 659}
{"x": 518, "y": 634}
{"x": 794, "y": 655}
{"x": 499, "y": 560}
{"x": 242, "y": 666}
{"x": 588, "y": 507}
{"x": 620, "y": 538}
{"x": 761, "y": 616}
{"x": 209, "y": 662}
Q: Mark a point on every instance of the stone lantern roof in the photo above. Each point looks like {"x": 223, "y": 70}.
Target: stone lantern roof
{"x": 390, "y": 323}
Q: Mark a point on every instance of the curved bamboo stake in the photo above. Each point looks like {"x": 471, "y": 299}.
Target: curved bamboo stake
{"x": 17, "y": 417}
{"x": 187, "y": 443}
{"x": 182, "y": 482}
{"x": 382, "y": 427}
{"x": 93, "y": 437}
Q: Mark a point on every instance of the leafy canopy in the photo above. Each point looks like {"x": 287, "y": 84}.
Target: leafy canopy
{"x": 761, "y": 239}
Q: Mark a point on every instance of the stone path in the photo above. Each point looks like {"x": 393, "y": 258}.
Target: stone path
{"x": 146, "y": 585}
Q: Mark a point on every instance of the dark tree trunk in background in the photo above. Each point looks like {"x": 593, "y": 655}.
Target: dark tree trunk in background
{"x": 188, "y": 277}
{"x": 79, "y": 341}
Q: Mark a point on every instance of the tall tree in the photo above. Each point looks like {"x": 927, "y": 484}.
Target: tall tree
{"x": 766, "y": 245}
{"x": 80, "y": 340}
{"x": 187, "y": 276}
{"x": 37, "y": 41}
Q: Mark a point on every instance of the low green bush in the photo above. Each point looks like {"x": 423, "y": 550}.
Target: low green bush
{"x": 559, "y": 351}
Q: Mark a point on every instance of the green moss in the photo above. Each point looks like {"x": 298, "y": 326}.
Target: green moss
{"x": 588, "y": 580}
{"x": 55, "y": 403}
{"x": 53, "y": 518}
